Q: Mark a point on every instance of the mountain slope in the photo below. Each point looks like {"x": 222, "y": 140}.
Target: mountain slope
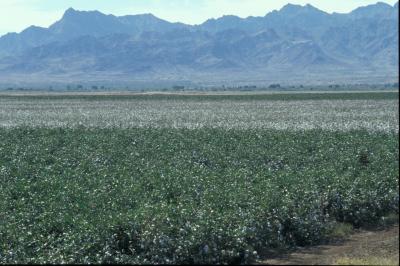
{"x": 292, "y": 41}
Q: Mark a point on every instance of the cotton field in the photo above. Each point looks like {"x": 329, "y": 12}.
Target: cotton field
{"x": 190, "y": 179}
{"x": 342, "y": 115}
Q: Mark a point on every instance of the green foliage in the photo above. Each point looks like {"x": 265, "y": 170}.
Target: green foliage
{"x": 185, "y": 196}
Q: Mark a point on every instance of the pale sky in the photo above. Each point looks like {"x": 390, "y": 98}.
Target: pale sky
{"x": 16, "y": 15}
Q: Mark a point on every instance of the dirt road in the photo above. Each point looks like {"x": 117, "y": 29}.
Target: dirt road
{"x": 362, "y": 247}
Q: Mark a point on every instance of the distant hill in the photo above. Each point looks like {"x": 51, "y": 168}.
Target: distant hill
{"x": 297, "y": 44}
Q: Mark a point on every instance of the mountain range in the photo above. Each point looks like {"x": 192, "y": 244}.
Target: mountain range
{"x": 296, "y": 44}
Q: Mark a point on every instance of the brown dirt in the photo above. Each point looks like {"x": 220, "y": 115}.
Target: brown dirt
{"x": 359, "y": 245}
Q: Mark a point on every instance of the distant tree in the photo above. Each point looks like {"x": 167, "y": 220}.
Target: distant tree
{"x": 178, "y": 88}
{"x": 274, "y": 86}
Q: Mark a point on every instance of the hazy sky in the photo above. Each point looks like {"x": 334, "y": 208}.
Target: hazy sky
{"x": 15, "y": 15}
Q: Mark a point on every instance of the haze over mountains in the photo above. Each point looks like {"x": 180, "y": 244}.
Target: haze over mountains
{"x": 297, "y": 44}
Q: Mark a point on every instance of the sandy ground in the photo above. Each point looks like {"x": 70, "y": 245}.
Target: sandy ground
{"x": 188, "y": 93}
{"x": 361, "y": 244}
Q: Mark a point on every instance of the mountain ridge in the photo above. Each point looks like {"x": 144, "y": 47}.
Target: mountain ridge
{"x": 295, "y": 39}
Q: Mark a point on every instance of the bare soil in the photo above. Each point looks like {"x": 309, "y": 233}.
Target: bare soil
{"x": 359, "y": 245}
